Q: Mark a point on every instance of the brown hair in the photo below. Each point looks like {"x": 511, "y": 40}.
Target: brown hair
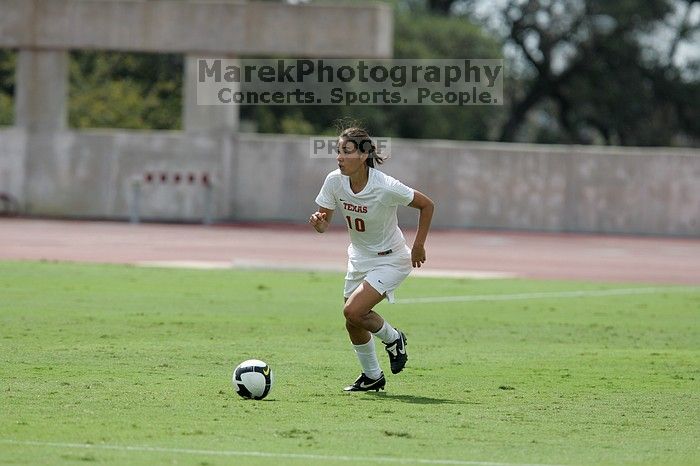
{"x": 360, "y": 137}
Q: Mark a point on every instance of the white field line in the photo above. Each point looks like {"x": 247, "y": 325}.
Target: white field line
{"x": 315, "y": 267}
{"x": 258, "y": 454}
{"x": 204, "y": 265}
{"x": 548, "y": 295}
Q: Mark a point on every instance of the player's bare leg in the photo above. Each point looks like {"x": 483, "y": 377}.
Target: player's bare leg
{"x": 361, "y": 322}
{"x": 360, "y": 319}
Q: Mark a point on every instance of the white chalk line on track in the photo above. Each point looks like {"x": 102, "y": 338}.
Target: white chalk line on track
{"x": 258, "y": 454}
{"x": 548, "y": 295}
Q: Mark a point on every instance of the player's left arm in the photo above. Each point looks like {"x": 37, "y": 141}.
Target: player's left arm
{"x": 426, "y": 206}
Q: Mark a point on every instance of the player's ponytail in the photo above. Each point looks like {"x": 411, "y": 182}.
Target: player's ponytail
{"x": 374, "y": 157}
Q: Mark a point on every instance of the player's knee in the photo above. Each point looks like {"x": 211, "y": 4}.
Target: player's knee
{"x": 353, "y": 314}
{"x": 348, "y": 313}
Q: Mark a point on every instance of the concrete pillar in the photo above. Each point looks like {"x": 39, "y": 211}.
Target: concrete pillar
{"x": 198, "y": 118}
{"x": 41, "y": 93}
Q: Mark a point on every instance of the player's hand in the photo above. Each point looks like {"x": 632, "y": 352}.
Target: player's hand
{"x": 318, "y": 221}
{"x": 417, "y": 255}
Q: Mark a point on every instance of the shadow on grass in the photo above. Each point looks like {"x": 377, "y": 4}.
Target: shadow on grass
{"x": 419, "y": 400}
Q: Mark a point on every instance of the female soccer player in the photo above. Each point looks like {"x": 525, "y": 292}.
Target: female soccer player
{"x": 378, "y": 258}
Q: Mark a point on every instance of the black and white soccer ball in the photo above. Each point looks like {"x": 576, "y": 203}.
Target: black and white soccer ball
{"x": 253, "y": 379}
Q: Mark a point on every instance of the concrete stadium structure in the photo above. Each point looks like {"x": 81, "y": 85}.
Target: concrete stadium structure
{"x": 212, "y": 171}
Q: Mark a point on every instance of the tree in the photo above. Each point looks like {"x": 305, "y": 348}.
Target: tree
{"x": 125, "y": 90}
{"x": 587, "y": 59}
{"x": 417, "y": 36}
{"x": 8, "y": 59}
{"x": 440, "y": 6}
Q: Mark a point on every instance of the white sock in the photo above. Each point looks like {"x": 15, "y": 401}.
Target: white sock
{"x": 387, "y": 333}
{"x": 367, "y": 356}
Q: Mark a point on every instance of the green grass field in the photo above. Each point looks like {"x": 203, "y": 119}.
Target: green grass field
{"x": 123, "y": 365}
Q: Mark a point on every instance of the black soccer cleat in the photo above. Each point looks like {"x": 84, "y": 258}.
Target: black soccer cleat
{"x": 365, "y": 384}
{"x": 397, "y": 353}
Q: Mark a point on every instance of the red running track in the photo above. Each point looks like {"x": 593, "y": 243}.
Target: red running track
{"x": 450, "y": 252}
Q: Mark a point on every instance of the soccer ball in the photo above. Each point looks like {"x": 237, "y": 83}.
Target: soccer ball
{"x": 253, "y": 379}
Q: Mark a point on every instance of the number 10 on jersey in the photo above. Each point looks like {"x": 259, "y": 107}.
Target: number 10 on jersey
{"x": 359, "y": 223}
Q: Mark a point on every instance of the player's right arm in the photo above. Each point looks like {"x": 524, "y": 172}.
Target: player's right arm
{"x": 325, "y": 201}
{"x": 321, "y": 220}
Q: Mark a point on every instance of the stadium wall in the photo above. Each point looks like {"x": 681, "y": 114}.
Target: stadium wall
{"x": 255, "y": 177}
{"x": 209, "y": 171}
{"x": 212, "y": 27}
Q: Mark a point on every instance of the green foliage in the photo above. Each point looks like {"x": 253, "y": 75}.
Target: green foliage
{"x": 611, "y": 88}
{"x": 8, "y": 59}
{"x": 429, "y": 36}
{"x": 132, "y": 357}
{"x": 415, "y": 36}
{"x": 295, "y": 124}
{"x": 125, "y": 90}
{"x": 433, "y": 36}
{"x": 6, "y": 110}
{"x": 631, "y": 14}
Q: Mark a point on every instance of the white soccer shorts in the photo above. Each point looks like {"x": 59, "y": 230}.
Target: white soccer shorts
{"x": 383, "y": 273}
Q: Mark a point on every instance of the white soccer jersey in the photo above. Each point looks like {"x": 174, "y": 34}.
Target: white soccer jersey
{"x": 370, "y": 215}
